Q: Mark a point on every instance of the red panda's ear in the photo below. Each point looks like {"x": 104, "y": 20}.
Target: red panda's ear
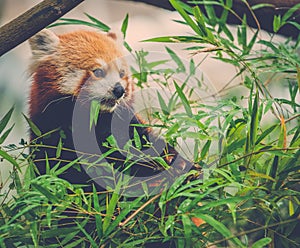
{"x": 112, "y": 35}
{"x": 43, "y": 43}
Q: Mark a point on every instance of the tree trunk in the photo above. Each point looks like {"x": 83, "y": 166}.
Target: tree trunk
{"x": 32, "y": 21}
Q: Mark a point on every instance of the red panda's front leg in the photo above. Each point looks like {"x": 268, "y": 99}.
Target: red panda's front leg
{"x": 165, "y": 155}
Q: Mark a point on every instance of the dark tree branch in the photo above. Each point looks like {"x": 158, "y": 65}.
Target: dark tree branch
{"x": 264, "y": 16}
{"x": 32, "y": 21}
{"x": 48, "y": 11}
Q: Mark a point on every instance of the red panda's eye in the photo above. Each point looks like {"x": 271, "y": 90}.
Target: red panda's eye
{"x": 99, "y": 73}
{"x": 122, "y": 73}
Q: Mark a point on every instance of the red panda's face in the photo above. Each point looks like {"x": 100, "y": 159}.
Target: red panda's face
{"x": 81, "y": 62}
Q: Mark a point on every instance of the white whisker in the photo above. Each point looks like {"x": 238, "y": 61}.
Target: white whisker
{"x": 56, "y": 100}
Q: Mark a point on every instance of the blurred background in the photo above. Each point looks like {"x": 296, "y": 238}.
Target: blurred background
{"x": 145, "y": 22}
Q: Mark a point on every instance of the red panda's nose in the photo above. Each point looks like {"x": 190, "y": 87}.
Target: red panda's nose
{"x": 118, "y": 90}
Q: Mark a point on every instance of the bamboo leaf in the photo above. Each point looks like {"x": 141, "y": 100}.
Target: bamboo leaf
{"x": 94, "y": 113}
{"x": 282, "y": 141}
{"x": 33, "y": 127}
{"x": 201, "y": 24}
{"x": 172, "y": 130}
{"x": 4, "y": 121}
{"x": 176, "y": 39}
{"x": 153, "y": 64}
{"x": 262, "y": 243}
{"x": 274, "y": 167}
{"x": 171, "y": 193}
{"x": 290, "y": 12}
{"x": 200, "y": 20}
{"x": 298, "y": 77}
{"x": 251, "y": 43}
{"x": 291, "y": 208}
{"x": 254, "y": 120}
{"x": 221, "y": 228}
{"x": 226, "y": 8}
{"x": 226, "y": 31}
{"x": 22, "y": 212}
{"x": 47, "y": 164}
{"x": 185, "y": 16}
{"x": 68, "y": 233}
{"x": 59, "y": 148}
{"x": 192, "y": 67}
{"x": 137, "y": 139}
{"x": 5, "y": 134}
{"x": 74, "y": 244}
{"x": 88, "y": 236}
{"x": 228, "y": 201}
{"x": 34, "y": 233}
{"x": 196, "y": 151}
{"x": 110, "y": 207}
{"x": 98, "y": 218}
{"x": 162, "y": 162}
{"x": 48, "y": 215}
{"x": 162, "y": 104}
{"x": 265, "y": 133}
{"x": 124, "y": 26}
{"x": 51, "y": 197}
{"x": 17, "y": 182}
{"x": 61, "y": 170}
{"x": 10, "y": 159}
{"x": 184, "y": 100}
{"x": 187, "y": 228}
{"x": 127, "y": 208}
{"x": 295, "y": 140}
{"x": 127, "y": 46}
{"x": 210, "y": 11}
{"x": 269, "y": 45}
{"x": 295, "y": 24}
{"x": 242, "y": 33}
{"x": 194, "y": 135}
{"x": 177, "y": 60}
{"x": 66, "y": 21}
{"x": 260, "y": 175}
{"x": 261, "y": 5}
{"x": 276, "y": 23}
{"x": 99, "y": 24}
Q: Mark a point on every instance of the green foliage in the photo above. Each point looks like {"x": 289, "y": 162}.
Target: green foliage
{"x": 94, "y": 22}
{"x": 247, "y": 194}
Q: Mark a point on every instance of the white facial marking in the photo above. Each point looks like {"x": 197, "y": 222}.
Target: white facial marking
{"x": 102, "y": 63}
{"x": 119, "y": 64}
{"x": 102, "y": 88}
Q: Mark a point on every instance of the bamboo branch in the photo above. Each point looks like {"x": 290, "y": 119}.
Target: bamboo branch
{"x": 121, "y": 224}
{"x": 32, "y": 21}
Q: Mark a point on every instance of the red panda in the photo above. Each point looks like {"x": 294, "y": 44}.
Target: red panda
{"x": 68, "y": 72}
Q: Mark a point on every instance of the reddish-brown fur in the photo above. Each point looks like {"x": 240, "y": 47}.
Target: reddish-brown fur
{"x": 82, "y": 47}
{"x": 41, "y": 96}
{"x": 52, "y": 104}
{"x": 54, "y": 92}
{"x": 76, "y": 51}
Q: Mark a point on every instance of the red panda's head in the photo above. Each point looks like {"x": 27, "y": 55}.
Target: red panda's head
{"x": 76, "y": 62}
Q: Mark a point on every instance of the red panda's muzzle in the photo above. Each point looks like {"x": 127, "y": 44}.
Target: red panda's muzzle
{"x": 118, "y": 91}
